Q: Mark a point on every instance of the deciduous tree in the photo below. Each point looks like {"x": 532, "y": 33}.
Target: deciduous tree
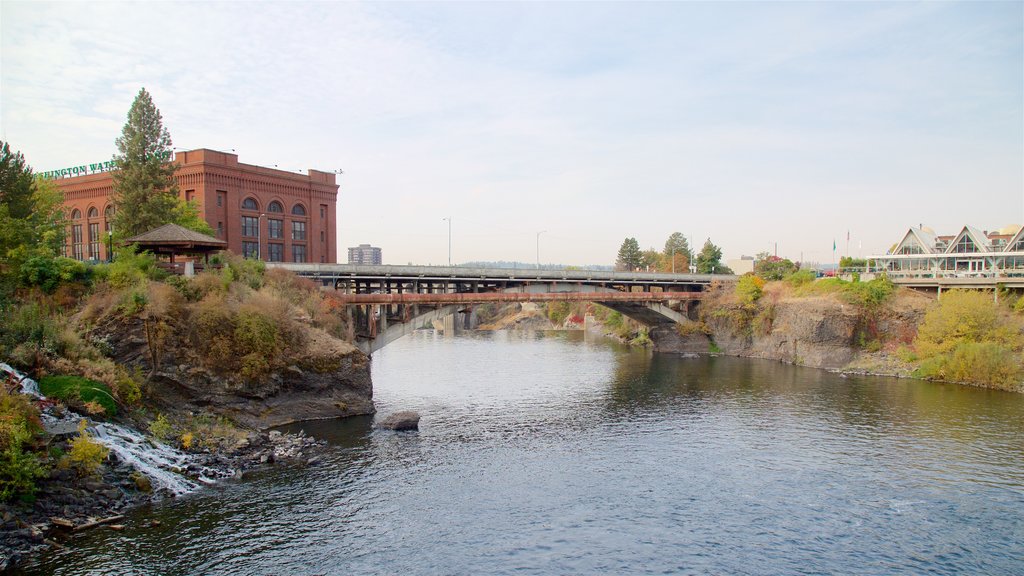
{"x": 677, "y": 255}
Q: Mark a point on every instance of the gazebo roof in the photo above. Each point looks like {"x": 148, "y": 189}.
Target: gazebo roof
{"x": 172, "y": 236}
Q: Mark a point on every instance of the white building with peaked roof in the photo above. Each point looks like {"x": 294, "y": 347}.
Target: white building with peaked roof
{"x": 971, "y": 252}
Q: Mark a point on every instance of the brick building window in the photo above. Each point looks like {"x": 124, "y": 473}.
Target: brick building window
{"x": 275, "y": 252}
{"x": 276, "y": 207}
{"x": 94, "y": 239}
{"x": 250, "y": 226}
{"x": 298, "y": 253}
{"x": 108, "y": 217}
{"x": 250, "y": 204}
{"x": 298, "y": 230}
{"x": 220, "y": 198}
{"x": 251, "y": 249}
{"x": 276, "y": 229}
{"x": 299, "y": 210}
{"x": 76, "y": 241}
{"x": 220, "y": 229}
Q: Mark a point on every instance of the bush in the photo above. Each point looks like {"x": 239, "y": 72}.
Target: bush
{"x": 130, "y": 269}
{"x": 800, "y": 277}
{"x": 48, "y": 272}
{"x": 774, "y": 268}
{"x": 30, "y": 327}
{"x": 557, "y": 312}
{"x": 161, "y": 428}
{"x": 19, "y": 468}
{"x": 985, "y": 363}
{"x": 749, "y": 288}
{"x": 76, "y": 390}
{"x": 86, "y": 454}
{"x": 965, "y": 316}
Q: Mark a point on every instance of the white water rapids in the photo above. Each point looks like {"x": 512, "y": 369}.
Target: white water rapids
{"x": 163, "y": 464}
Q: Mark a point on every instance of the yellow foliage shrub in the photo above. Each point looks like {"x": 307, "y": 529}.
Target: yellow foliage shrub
{"x": 86, "y": 454}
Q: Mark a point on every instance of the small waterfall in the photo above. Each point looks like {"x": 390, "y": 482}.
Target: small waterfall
{"x": 163, "y": 464}
{"x": 27, "y": 385}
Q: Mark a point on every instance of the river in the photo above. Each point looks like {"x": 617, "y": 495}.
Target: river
{"x": 551, "y": 453}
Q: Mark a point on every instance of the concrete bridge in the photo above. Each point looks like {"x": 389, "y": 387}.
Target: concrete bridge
{"x": 388, "y": 302}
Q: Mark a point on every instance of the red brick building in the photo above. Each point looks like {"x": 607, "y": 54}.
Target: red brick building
{"x": 265, "y": 213}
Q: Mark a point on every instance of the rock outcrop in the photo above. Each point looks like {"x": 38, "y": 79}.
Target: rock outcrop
{"x": 325, "y": 378}
{"x": 817, "y": 331}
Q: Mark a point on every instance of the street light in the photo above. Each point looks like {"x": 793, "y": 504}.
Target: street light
{"x": 449, "y": 219}
{"x": 110, "y": 244}
{"x": 538, "y": 247}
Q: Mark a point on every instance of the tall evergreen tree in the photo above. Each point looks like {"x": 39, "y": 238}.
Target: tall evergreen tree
{"x": 145, "y": 193}
{"x": 630, "y": 256}
{"x": 709, "y": 260}
{"x": 677, "y": 254}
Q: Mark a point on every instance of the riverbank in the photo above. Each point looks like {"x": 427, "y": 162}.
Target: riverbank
{"x": 68, "y": 503}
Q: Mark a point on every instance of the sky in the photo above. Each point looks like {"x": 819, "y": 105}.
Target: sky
{"x": 559, "y": 128}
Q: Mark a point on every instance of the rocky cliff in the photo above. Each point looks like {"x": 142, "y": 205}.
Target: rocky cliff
{"x": 821, "y": 331}
{"x": 324, "y": 378}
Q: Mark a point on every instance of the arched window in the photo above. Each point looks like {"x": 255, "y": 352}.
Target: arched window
{"x": 299, "y": 210}
{"x": 275, "y": 206}
{"x": 93, "y": 212}
{"x": 108, "y": 212}
{"x": 250, "y": 204}
{"x": 76, "y": 214}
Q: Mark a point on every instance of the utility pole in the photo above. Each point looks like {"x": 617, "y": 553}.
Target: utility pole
{"x": 538, "y": 247}
{"x": 449, "y": 219}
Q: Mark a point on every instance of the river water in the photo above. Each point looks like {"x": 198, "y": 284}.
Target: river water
{"x": 548, "y": 453}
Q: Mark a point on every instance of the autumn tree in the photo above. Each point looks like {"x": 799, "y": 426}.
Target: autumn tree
{"x": 677, "y": 254}
{"x": 145, "y": 192}
{"x": 629, "y": 255}
{"x": 651, "y": 259}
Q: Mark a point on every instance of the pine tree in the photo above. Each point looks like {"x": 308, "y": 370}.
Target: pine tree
{"x": 629, "y": 255}
{"x": 145, "y": 193}
{"x": 709, "y": 260}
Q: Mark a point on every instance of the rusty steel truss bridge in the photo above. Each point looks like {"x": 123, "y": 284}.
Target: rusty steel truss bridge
{"x": 388, "y": 302}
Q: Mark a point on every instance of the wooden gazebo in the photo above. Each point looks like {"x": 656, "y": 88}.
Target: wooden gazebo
{"x": 174, "y": 240}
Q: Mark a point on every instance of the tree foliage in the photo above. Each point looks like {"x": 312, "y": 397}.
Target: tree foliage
{"x": 774, "y": 268}
{"x": 709, "y": 260}
{"x": 650, "y": 259}
{"x": 677, "y": 254}
{"x": 145, "y": 192}
{"x": 630, "y": 257}
{"x": 31, "y": 219}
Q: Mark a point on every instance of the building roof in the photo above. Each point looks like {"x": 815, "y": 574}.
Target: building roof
{"x": 978, "y": 238}
{"x": 174, "y": 236}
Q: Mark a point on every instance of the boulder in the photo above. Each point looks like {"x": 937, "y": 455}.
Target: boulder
{"x": 406, "y": 420}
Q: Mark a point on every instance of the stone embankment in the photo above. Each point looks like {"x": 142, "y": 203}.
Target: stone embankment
{"x": 817, "y": 331}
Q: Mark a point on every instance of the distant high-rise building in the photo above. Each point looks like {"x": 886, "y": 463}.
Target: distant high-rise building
{"x": 364, "y": 254}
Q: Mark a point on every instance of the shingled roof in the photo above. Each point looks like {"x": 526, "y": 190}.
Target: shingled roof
{"x": 172, "y": 235}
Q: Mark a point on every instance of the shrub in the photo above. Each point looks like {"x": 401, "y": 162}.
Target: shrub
{"x": 965, "y": 316}
{"x": 86, "y": 454}
{"x": 77, "y": 390}
{"x": 161, "y": 428}
{"x": 985, "y": 363}
{"x": 749, "y": 288}
{"x": 557, "y": 312}
{"x": 19, "y": 471}
{"x": 19, "y": 468}
{"x": 800, "y": 277}
{"x": 48, "y": 272}
{"x": 31, "y": 328}
{"x": 774, "y": 268}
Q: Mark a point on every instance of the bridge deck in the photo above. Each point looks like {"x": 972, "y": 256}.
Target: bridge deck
{"x": 461, "y": 274}
{"x": 484, "y": 297}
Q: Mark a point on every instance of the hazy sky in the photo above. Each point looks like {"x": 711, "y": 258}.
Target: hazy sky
{"x": 748, "y": 123}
